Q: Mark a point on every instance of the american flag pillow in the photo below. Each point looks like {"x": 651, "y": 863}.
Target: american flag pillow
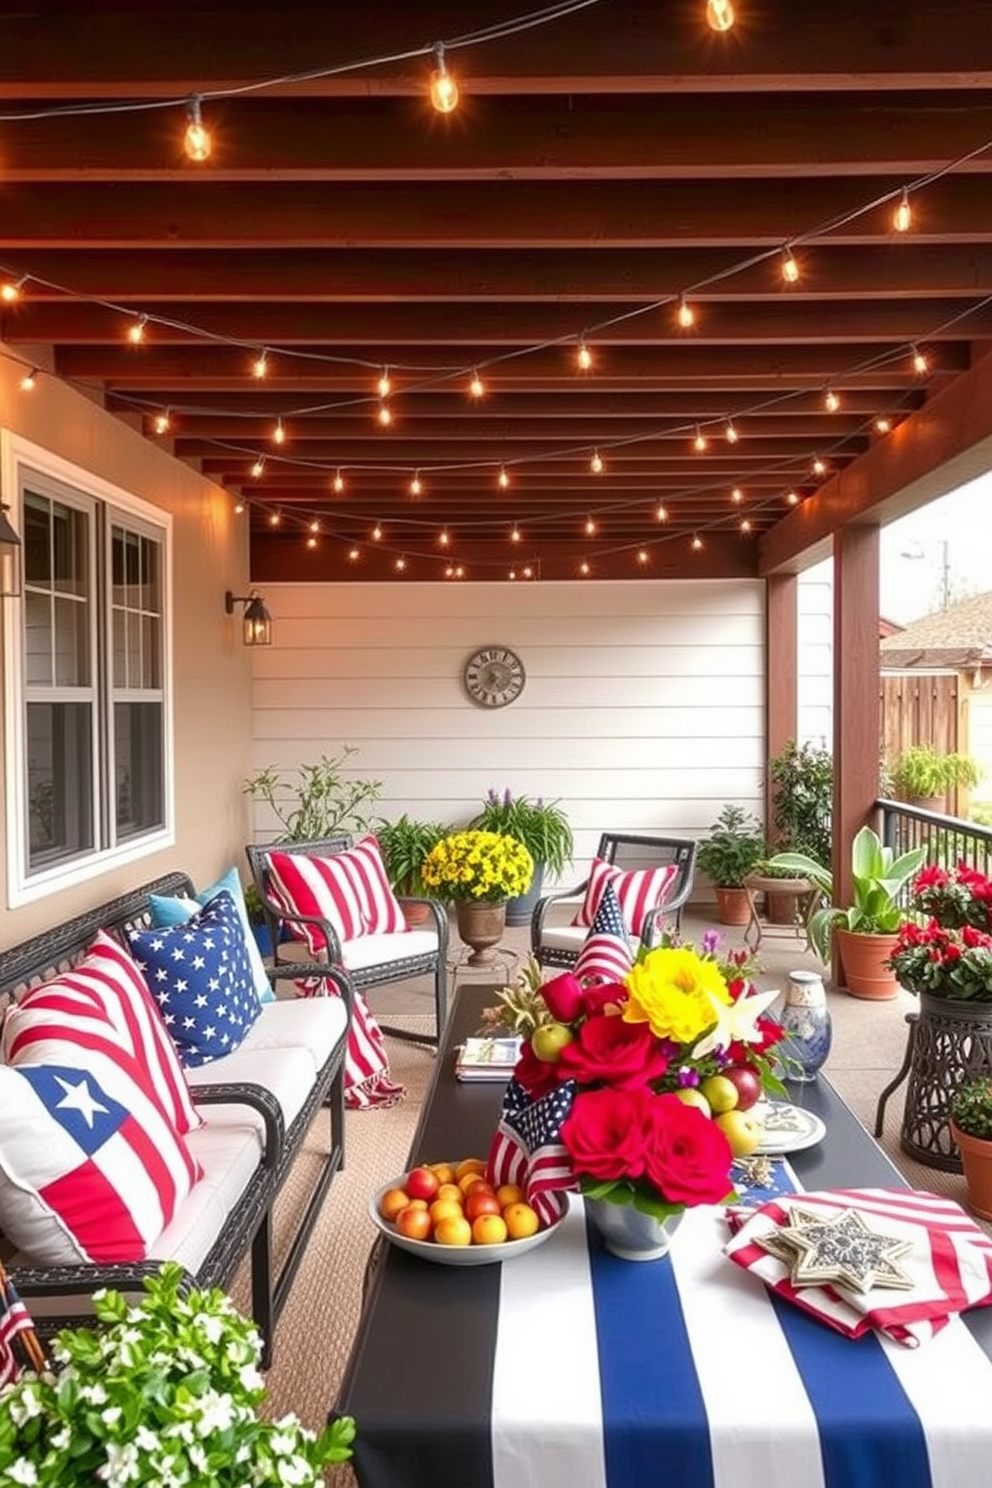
{"x": 638, "y": 891}
{"x": 606, "y": 955}
{"x": 89, "y": 1171}
{"x": 93, "y": 1014}
{"x": 201, "y": 978}
{"x": 348, "y": 889}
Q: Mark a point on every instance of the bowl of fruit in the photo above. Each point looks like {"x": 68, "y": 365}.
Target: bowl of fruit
{"x": 449, "y": 1213}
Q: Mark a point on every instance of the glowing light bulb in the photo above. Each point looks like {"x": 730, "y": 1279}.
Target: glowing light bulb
{"x": 921, "y": 365}
{"x": 416, "y": 485}
{"x": 10, "y": 290}
{"x": 163, "y": 423}
{"x": 902, "y": 218}
{"x": 311, "y": 541}
{"x": 353, "y": 555}
{"x": 502, "y": 480}
{"x": 527, "y": 572}
{"x": 792, "y": 499}
{"x": 275, "y": 518}
{"x": 642, "y": 556}
{"x": 719, "y": 15}
{"x": 583, "y": 356}
{"x": 596, "y": 463}
{"x": 818, "y": 466}
{"x": 338, "y": 483}
{"x": 384, "y": 386}
{"x": 831, "y": 401}
{"x": 29, "y": 381}
{"x": 790, "y": 268}
{"x": 661, "y": 514}
{"x": 239, "y": 506}
{"x": 512, "y": 574}
{"x": 315, "y": 526}
{"x": 697, "y": 542}
{"x": 136, "y": 330}
{"x": 685, "y": 315}
{"x": 400, "y": 564}
{"x": 385, "y": 415}
{"x": 745, "y": 525}
{"x": 258, "y": 469}
{"x": 590, "y": 527}
{"x": 260, "y": 366}
{"x": 731, "y": 434}
{"x": 444, "y": 89}
{"x": 449, "y": 572}
{"x": 584, "y": 569}
{"x": 883, "y": 425}
{"x": 377, "y": 533}
{"x": 514, "y": 534}
{"x": 196, "y": 141}
{"x": 737, "y": 495}
{"x": 444, "y": 538}
{"x": 278, "y": 433}
{"x": 459, "y": 571}
{"x": 700, "y": 442}
{"x": 476, "y": 388}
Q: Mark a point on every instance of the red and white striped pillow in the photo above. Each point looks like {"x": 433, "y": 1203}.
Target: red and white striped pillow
{"x": 638, "y": 891}
{"x": 96, "y": 1013}
{"x": 348, "y": 889}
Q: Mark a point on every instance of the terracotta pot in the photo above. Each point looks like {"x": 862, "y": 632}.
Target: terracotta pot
{"x": 481, "y": 926}
{"x": 976, "y": 1156}
{"x": 863, "y": 969}
{"x": 732, "y": 906}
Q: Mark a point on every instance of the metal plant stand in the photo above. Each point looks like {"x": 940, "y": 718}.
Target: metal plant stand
{"x": 949, "y": 1043}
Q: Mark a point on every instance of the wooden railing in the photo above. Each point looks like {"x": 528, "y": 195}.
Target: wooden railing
{"x": 948, "y": 839}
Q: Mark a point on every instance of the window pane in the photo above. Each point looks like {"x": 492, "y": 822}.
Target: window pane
{"x": 72, "y": 655}
{"x": 60, "y": 802}
{"x": 139, "y": 763}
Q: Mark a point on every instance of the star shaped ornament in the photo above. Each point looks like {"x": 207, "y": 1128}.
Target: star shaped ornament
{"x": 844, "y": 1249}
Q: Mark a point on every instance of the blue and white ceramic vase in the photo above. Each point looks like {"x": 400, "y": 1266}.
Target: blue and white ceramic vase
{"x": 806, "y": 1020}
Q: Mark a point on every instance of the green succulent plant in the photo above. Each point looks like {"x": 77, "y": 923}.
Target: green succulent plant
{"x": 971, "y": 1109}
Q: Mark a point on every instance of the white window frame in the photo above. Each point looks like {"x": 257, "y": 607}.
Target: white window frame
{"x": 19, "y": 460}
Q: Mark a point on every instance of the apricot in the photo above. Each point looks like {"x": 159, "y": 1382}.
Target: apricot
{"x": 520, "y": 1221}
{"x": 392, "y": 1201}
{"x": 453, "y": 1232}
{"x": 488, "y": 1229}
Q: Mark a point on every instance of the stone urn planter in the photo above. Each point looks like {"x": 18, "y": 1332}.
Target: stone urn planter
{"x": 481, "y": 927}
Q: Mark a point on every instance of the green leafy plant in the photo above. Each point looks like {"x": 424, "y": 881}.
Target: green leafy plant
{"x": 922, "y": 771}
{"x": 971, "y": 1109}
{"x": 405, "y": 844}
{"x": 802, "y": 781}
{"x": 316, "y": 800}
{"x": 878, "y": 878}
{"x": 541, "y": 826}
{"x": 735, "y": 845}
{"x": 167, "y": 1392}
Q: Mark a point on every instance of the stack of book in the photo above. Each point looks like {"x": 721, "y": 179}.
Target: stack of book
{"x": 487, "y": 1058}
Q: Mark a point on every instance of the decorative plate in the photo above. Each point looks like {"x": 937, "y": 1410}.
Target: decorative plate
{"x": 454, "y": 1255}
{"x": 788, "y": 1128}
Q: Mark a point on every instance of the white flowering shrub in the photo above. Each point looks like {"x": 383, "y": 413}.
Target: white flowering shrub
{"x": 165, "y": 1394}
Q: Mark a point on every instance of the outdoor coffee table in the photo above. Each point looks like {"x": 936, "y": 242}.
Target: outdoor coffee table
{"x": 505, "y": 1376}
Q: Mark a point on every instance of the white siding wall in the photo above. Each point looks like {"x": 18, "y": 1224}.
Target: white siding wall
{"x": 815, "y": 703}
{"x": 643, "y": 707}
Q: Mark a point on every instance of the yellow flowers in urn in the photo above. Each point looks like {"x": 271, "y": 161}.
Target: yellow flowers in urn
{"x": 484, "y": 867}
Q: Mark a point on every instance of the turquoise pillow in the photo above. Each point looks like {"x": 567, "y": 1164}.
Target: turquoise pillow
{"x": 166, "y": 910}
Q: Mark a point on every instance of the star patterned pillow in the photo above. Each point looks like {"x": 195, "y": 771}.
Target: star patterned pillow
{"x": 200, "y": 976}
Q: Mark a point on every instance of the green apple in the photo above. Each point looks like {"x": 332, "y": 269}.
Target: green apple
{"x": 720, "y": 1092}
{"x": 742, "y": 1131}
{"x": 690, "y": 1096}
{"x": 549, "y": 1039}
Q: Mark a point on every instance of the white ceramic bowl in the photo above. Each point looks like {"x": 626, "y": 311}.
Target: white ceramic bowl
{"x": 453, "y": 1255}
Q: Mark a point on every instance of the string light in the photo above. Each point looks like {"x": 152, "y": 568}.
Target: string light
{"x": 584, "y": 569}
{"x": 596, "y": 463}
{"x": 902, "y": 219}
{"x": 831, "y": 401}
{"x": 737, "y": 495}
{"x": 514, "y": 533}
{"x": 883, "y": 425}
{"x": 275, "y": 518}
{"x": 162, "y": 422}
{"x": 239, "y": 506}
{"x": 279, "y": 433}
{"x": 685, "y": 315}
{"x": 444, "y": 89}
{"x": 527, "y": 571}
{"x": 260, "y": 366}
{"x": 311, "y": 541}
{"x": 921, "y": 365}
{"x": 258, "y": 469}
{"x": 416, "y": 485}
{"x": 697, "y": 542}
{"x": 354, "y": 554}
{"x": 400, "y": 564}
{"x": 338, "y": 483}
{"x": 10, "y": 290}
{"x": 719, "y": 15}
{"x": 700, "y": 441}
{"x": 476, "y": 387}
{"x": 790, "y": 267}
{"x": 662, "y": 514}
{"x": 136, "y": 330}
{"x": 642, "y": 555}
{"x": 731, "y": 433}
{"x": 590, "y": 527}
{"x": 196, "y": 141}
{"x": 745, "y": 525}
{"x": 377, "y": 533}
{"x": 384, "y": 386}
{"x": 791, "y": 498}
{"x": 583, "y": 356}
{"x": 315, "y": 526}
{"x": 443, "y": 537}
{"x": 503, "y": 480}
{"x": 818, "y": 466}
{"x": 29, "y": 381}
{"x": 385, "y": 415}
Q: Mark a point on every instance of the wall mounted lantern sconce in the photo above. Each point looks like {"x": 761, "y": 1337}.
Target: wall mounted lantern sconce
{"x": 10, "y": 557}
{"x": 256, "y": 622}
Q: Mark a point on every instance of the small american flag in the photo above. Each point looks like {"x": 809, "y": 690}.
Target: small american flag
{"x": 606, "y": 955}
{"x": 527, "y": 1149}
{"x": 19, "y": 1346}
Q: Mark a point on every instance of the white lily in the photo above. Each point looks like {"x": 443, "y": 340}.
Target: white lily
{"x": 736, "y": 1023}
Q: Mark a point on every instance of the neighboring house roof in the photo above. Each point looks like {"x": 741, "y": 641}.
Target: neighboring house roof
{"x": 960, "y": 637}
{"x": 888, "y": 627}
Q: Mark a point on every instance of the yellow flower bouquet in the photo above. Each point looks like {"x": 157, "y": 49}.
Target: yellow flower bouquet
{"x": 484, "y": 867}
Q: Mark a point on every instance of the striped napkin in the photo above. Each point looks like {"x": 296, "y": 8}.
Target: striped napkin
{"x": 948, "y": 1260}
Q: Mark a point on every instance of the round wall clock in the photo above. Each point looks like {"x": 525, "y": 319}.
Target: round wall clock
{"x": 494, "y": 676}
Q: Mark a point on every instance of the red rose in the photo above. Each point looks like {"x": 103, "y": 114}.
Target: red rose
{"x": 596, "y": 998}
{"x": 688, "y": 1156}
{"x": 563, "y": 997}
{"x": 537, "y": 1076}
{"x": 605, "y": 1133}
{"x": 627, "y": 1055}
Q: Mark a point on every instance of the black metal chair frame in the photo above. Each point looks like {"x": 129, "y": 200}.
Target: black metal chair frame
{"x": 424, "y": 963}
{"x": 678, "y": 850}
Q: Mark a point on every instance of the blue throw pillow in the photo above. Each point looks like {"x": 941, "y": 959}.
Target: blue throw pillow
{"x": 200, "y": 976}
{"x": 166, "y": 910}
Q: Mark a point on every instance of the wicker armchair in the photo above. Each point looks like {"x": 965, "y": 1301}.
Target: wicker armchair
{"x": 556, "y": 942}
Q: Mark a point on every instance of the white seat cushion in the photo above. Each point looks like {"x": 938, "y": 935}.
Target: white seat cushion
{"x": 378, "y": 950}
{"x": 287, "y": 1073}
{"x": 315, "y": 1025}
{"x": 564, "y": 937}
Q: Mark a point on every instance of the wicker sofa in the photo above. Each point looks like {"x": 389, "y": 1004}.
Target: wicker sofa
{"x": 257, "y": 1103}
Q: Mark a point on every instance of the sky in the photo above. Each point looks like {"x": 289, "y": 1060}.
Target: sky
{"x": 947, "y": 543}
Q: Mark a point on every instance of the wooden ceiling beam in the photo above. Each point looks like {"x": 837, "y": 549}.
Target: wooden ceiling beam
{"x": 464, "y": 428}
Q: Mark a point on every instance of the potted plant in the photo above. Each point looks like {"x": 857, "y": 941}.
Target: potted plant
{"x": 866, "y": 930}
{"x": 544, "y": 830}
{"x": 923, "y": 776}
{"x": 316, "y": 800}
{"x": 971, "y": 1128}
{"x": 478, "y": 872}
{"x": 800, "y": 784}
{"x": 404, "y": 844}
{"x": 727, "y": 857}
{"x": 167, "y": 1391}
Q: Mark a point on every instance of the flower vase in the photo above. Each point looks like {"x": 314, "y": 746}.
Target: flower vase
{"x": 806, "y": 1020}
{"x": 628, "y": 1233}
{"x": 480, "y": 926}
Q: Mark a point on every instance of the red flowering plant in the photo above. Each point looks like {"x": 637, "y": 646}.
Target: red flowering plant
{"x": 609, "y": 1095}
{"x": 950, "y": 955}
